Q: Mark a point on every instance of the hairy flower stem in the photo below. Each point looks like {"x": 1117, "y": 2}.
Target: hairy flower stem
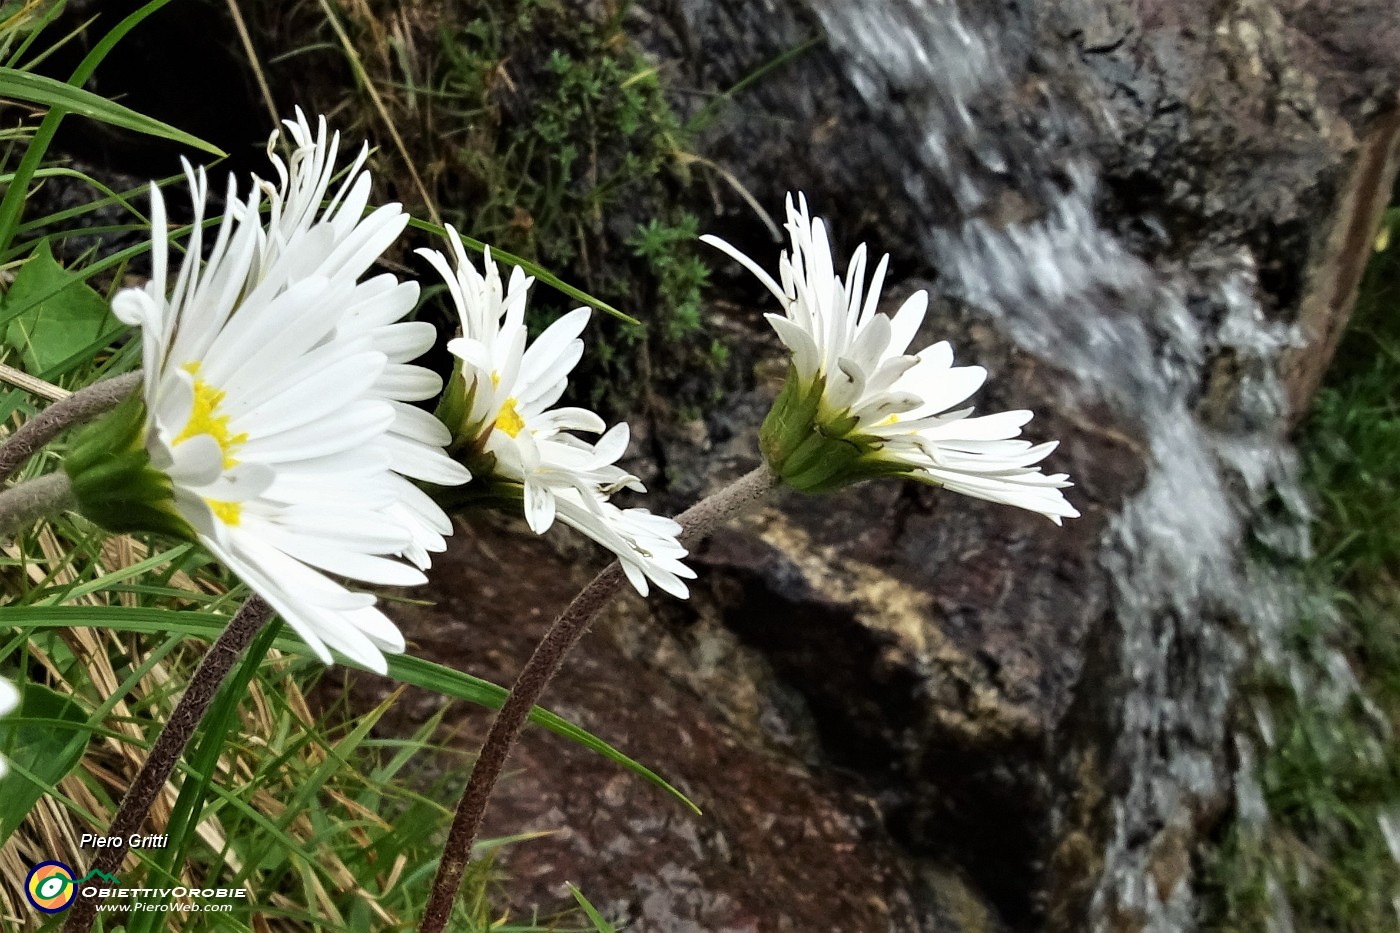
{"x": 84, "y": 405}
{"x": 23, "y": 505}
{"x": 696, "y": 522}
{"x": 170, "y": 744}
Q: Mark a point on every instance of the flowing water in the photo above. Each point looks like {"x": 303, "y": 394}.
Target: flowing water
{"x": 1068, "y": 289}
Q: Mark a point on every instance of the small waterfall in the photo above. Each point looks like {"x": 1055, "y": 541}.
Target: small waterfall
{"x": 1139, "y": 338}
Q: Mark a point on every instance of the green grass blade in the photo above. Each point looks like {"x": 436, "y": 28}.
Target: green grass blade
{"x": 34, "y": 29}
{"x": 706, "y": 115}
{"x": 597, "y": 919}
{"x": 402, "y": 668}
{"x": 14, "y": 196}
{"x": 113, "y": 577}
{"x": 13, "y": 204}
{"x": 534, "y": 269}
{"x": 185, "y": 816}
{"x": 15, "y": 309}
{"x": 56, "y": 95}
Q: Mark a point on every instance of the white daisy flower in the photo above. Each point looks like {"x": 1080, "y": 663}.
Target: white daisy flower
{"x": 520, "y": 447}
{"x": 9, "y": 699}
{"x": 273, "y": 427}
{"x": 415, "y": 439}
{"x": 856, "y": 405}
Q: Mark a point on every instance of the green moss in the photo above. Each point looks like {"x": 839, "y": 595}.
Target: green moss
{"x": 568, "y": 152}
{"x": 563, "y": 123}
{"x": 537, "y": 126}
{"x": 678, "y": 273}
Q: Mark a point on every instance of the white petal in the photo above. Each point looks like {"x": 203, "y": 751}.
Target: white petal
{"x": 425, "y": 462}
{"x": 407, "y": 383}
{"x": 9, "y": 696}
{"x": 539, "y": 506}
{"x": 805, "y": 355}
{"x": 276, "y": 383}
{"x": 554, "y": 352}
{"x": 197, "y": 461}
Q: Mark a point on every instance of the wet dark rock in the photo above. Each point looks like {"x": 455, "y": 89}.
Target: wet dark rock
{"x": 1215, "y": 127}
{"x": 779, "y": 846}
{"x": 936, "y": 641}
{"x": 1268, "y": 125}
{"x": 791, "y": 130}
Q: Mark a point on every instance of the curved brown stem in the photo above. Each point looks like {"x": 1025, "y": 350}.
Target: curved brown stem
{"x": 84, "y": 405}
{"x": 23, "y": 505}
{"x": 170, "y": 745}
{"x": 696, "y": 523}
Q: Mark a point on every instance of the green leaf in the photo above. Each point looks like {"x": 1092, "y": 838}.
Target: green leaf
{"x": 540, "y": 273}
{"x": 402, "y": 668}
{"x": 599, "y": 923}
{"x": 43, "y": 740}
{"x": 47, "y": 92}
{"x": 51, "y": 329}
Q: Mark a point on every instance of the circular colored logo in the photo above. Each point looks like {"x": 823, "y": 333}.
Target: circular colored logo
{"x": 50, "y": 887}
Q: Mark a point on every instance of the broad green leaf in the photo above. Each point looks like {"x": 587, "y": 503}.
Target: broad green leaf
{"x": 53, "y": 329}
{"x": 47, "y": 92}
{"x": 402, "y": 668}
{"x": 43, "y": 740}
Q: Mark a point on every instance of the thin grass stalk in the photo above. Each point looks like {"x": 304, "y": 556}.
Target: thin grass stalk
{"x": 12, "y": 204}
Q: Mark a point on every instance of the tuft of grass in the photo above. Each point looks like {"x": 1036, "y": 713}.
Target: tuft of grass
{"x": 1327, "y": 857}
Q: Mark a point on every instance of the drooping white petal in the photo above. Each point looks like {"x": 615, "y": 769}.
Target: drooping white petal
{"x": 645, "y": 544}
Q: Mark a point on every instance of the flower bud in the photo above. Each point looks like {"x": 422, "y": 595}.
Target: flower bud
{"x": 814, "y": 450}
{"x": 113, "y": 479}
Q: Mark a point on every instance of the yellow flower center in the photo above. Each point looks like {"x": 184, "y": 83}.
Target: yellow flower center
{"x": 205, "y": 419}
{"x": 509, "y": 419}
{"x": 230, "y": 513}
